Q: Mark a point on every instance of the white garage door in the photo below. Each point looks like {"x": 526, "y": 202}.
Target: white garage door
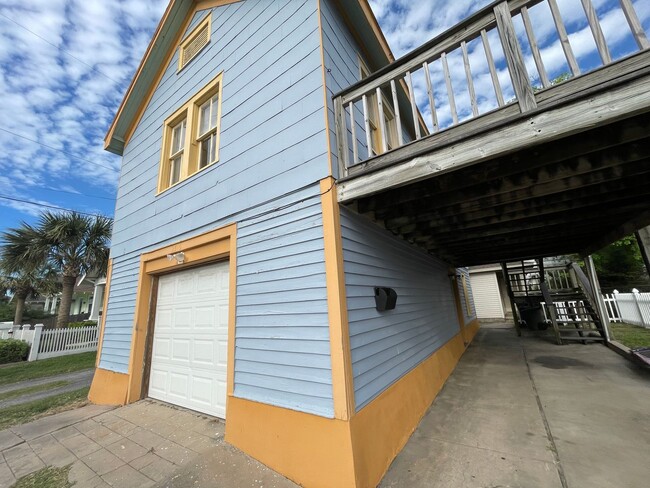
{"x": 190, "y": 343}
{"x": 487, "y": 297}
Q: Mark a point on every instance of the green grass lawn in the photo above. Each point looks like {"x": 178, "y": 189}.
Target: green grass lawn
{"x": 26, "y": 412}
{"x": 13, "y": 373}
{"x": 32, "y": 389}
{"x": 50, "y": 477}
{"x": 631, "y": 335}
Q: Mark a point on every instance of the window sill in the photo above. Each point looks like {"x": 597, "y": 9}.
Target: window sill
{"x": 185, "y": 180}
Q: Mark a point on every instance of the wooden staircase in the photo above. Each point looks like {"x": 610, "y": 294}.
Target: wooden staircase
{"x": 559, "y": 296}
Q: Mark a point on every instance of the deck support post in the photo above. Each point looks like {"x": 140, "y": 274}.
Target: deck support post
{"x": 643, "y": 239}
{"x": 548, "y": 300}
{"x": 511, "y": 296}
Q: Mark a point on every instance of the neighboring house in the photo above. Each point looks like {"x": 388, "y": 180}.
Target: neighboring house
{"x": 237, "y": 285}
{"x": 87, "y": 298}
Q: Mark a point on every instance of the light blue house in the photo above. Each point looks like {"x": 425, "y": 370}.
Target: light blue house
{"x": 238, "y": 286}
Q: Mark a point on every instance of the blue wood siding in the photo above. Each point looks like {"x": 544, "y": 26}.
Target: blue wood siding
{"x": 273, "y": 153}
{"x": 468, "y": 314}
{"x": 387, "y": 345}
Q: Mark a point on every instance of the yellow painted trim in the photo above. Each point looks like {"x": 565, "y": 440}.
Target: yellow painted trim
{"x": 313, "y": 451}
{"x": 108, "y": 388}
{"x": 342, "y": 378}
{"x": 102, "y": 325}
{"x": 190, "y": 112}
{"x": 325, "y": 97}
{"x": 216, "y": 245}
{"x": 204, "y": 24}
{"x": 382, "y": 428}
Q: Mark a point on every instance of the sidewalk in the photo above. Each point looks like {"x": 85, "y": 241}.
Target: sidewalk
{"x": 136, "y": 446}
{"x": 76, "y": 381}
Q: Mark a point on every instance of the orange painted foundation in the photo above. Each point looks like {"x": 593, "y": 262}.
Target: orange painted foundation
{"x": 109, "y": 388}
{"x": 319, "y": 452}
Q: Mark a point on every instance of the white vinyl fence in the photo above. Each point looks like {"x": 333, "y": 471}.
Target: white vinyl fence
{"x": 634, "y": 307}
{"x": 53, "y": 342}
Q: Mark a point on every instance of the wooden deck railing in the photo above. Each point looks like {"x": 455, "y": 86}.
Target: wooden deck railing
{"x": 382, "y": 113}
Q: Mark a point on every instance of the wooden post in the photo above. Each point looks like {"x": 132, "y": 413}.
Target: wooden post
{"x": 548, "y": 299}
{"x": 511, "y": 296}
{"x": 597, "y": 296}
{"x": 342, "y": 137}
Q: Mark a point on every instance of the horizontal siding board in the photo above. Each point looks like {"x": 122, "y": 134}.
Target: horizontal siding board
{"x": 293, "y": 401}
{"x": 385, "y": 346}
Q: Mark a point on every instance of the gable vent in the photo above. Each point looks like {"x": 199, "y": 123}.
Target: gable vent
{"x": 194, "y": 43}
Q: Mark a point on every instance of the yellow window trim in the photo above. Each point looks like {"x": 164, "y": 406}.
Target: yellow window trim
{"x": 190, "y": 112}
{"x": 205, "y": 23}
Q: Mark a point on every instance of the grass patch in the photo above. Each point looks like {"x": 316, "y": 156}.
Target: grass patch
{"x": 45, "y": 478}
{"x": 631, "y": 335}
{"x": 27, "y": 412}
{"x": 32, "y": 389}
{"x": 14, "y": 373}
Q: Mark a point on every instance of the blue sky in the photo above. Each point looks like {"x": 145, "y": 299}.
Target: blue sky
{"x": 65, "y": 64}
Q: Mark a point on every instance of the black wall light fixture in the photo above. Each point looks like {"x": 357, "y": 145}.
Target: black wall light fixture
{"x": 385, "y": 298}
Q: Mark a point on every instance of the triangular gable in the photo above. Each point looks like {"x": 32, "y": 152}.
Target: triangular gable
{"x": 168, "y": 37}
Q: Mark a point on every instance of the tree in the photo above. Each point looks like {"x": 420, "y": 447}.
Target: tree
{"x": 71, "y": 243}
{"x": 620, "y": 265}
{"x": 25, "y": 281}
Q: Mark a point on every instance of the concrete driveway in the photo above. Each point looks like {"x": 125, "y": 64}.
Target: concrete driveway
{"x": 523, "y": 412}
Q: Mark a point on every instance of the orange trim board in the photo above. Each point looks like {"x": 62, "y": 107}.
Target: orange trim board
{"x": 108, "y": 388}
{"x": 319, "y": 452}
{"x": 107, "y": 290}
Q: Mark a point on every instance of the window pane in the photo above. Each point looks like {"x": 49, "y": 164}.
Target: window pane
{"x": 215, "y": 111}
{"x": 175, "y": 171}
{"x": 204, "y": 157}
{"x": 178, "y": 136}
{"x": 213, "y": 147}
{"x": 204, "y": 118}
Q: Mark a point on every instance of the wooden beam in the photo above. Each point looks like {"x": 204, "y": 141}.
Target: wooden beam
{"x": 642, "y": 219}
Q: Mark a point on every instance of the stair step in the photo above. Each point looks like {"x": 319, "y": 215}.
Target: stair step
{"x": 586, "y": 338}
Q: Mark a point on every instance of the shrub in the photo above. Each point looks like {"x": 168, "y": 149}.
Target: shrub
{"x": 84, "y": 323}
{"x": 13, "y": 350}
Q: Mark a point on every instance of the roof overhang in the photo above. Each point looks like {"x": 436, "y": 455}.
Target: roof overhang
{"x": 357, "y": 14}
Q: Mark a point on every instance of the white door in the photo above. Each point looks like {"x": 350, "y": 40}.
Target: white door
{"x": 190, "y": 340}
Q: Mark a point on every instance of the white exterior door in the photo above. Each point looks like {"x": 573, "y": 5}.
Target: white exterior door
{"x": 190, "y": 340}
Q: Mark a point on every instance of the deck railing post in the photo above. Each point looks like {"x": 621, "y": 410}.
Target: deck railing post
{"x": 514, "y": 58}
{"x": 341, "y": 136}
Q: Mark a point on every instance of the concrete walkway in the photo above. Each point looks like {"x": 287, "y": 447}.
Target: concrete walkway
{"x": 528, "y": 413}
{"x": 76, "y": 381}
{"x": 138, "y": 446}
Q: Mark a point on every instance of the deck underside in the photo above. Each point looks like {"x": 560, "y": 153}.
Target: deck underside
{"x": 576, "y": 190}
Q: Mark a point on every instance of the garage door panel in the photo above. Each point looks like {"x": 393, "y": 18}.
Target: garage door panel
{"x": 204, "y": 354}
{"x": 190, "y": 346}
{"x": 181, "y": 350}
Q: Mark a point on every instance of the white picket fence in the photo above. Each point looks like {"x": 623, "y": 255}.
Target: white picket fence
{"x": 54, "y": 342}
{"x": 634, "y": 307}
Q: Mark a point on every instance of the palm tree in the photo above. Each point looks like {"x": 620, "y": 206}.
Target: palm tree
{"x": 72, "y": 243}
{"x": 28, "y": 281}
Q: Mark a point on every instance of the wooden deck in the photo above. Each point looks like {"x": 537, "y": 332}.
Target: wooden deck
{"x": 561, "y": 170}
